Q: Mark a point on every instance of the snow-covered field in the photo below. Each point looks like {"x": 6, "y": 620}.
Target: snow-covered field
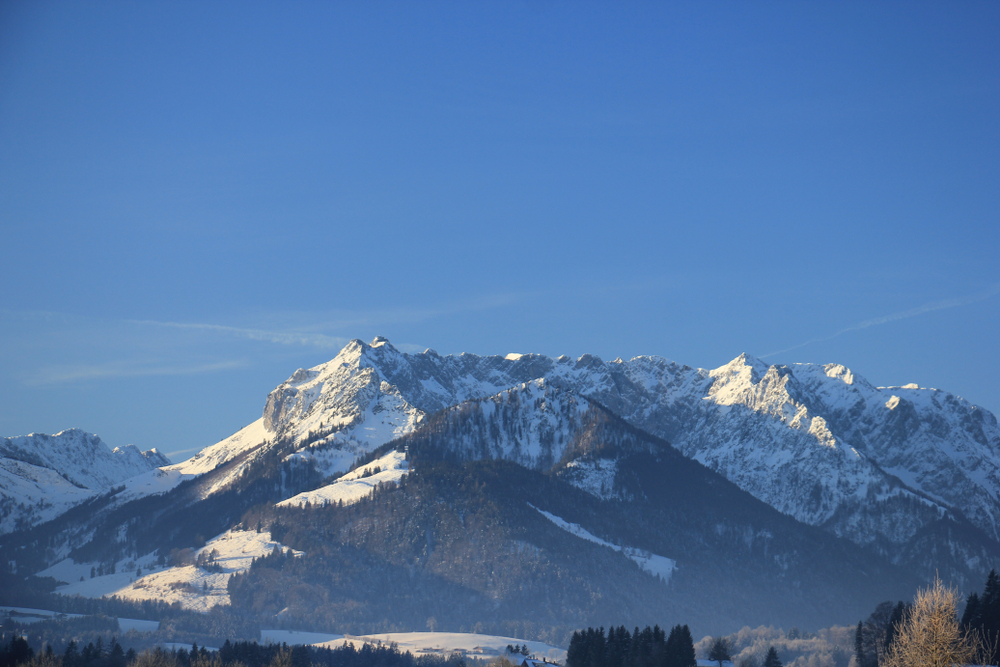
{"x": 78, "y": 581}
{"x": 138, "y": 625}
{"x": 658, "y": 566}
{"x": 28, "y": 615}
{"x": 294, "y": 637}
{"x": 194, "y": 587}
{"x": 446, "y": 643}
{"x": 353, "y": 486}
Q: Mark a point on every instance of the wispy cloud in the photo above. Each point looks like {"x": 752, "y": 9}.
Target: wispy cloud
{"x": 902, "y": 315}
{"x": 317, "y": 327}
{"x": 121, "y": 369}
{"x": 177, "y": 455}
{"x": 304, "y": 338}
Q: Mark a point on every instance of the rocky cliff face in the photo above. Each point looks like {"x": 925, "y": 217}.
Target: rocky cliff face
{"x": 817, "y": 442}
{"x": 909, "y": 474}
{"x": 883, "y": 467}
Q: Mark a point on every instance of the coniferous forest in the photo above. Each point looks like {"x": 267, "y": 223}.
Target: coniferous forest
{"x": 649, "y": 647}
{"x": 15, "y": 651}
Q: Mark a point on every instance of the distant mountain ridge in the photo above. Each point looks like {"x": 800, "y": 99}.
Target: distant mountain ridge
{"x": 43, "y": 475}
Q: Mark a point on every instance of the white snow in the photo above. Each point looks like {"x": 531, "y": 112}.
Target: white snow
{"x": 30, "y": 615}
{"x": 138, "y": 625}
{"x": 447, "y": 643}
{"x": 210, "y": 458}
{"x": 295, "y": 637}
{"x": 595, "y": 477}
{"x": 658, "y": 566}
{"x": 36, "y": 494}
{"x": 154, "y": 482}
{"x": 354, "y": 486}
{"x": 195, "y": 588}
{"x": 42, "y": 476}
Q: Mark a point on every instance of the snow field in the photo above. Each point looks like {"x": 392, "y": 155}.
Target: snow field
{"x": 658, "y": 566}
{"x": 43, "y": 493}
{"x": 294, "y": 637}
{"x": 27, "y": 615}
{"x": 212, "y": 457}
{"x": 446, "y": 643}
{"x": 194, "y": 588}
{"x": 352, "y": 487}
{"x": 151, "y": 483}
{"x": 71, "y": 572}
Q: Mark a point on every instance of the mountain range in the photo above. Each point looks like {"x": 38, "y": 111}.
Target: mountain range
{"x": 42, "y": 476}
{"x": 545, "y": 492}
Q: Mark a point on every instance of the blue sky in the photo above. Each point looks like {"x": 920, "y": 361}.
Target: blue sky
{"x": 198, "y": 198}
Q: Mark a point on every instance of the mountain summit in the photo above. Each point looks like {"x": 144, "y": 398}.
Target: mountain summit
{"x": 815, "y": 441}
{"x": 758, "y": 480}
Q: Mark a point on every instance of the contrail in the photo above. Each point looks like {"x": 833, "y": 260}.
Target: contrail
{"x": 60, "y": 374}
{"x": 902, "y": 315}
{"x": 282, "y": 337}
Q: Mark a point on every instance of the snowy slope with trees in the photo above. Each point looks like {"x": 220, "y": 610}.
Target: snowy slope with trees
{"x": 817, "y": 442}
{"x": 41, "y": 476}
{"x": 901, "y": 470}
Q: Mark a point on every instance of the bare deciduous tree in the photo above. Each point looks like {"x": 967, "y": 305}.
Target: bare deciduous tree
{"x": 930, "y": 636}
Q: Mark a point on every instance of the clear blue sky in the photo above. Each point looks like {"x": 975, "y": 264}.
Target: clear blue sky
{"x": 198, "y": 198}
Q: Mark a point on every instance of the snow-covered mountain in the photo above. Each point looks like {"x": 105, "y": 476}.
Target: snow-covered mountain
{"x": 481, "y": 522}
{"x": 911, "y": 474}
{"x": 818, "y": 442}
{"x": 41, "y": 476}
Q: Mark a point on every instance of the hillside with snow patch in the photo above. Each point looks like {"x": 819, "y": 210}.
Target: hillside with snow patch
{"x": 42, "y": 476}
{"x": 817, "y": 442}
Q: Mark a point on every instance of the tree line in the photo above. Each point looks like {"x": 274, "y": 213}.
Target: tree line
{"x": 982, "y": 616}
{"x": 18, "y": 653}
{"x": 650, "y": 647}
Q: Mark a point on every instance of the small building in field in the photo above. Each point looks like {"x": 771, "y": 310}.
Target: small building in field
{"x": 534, "y": 662}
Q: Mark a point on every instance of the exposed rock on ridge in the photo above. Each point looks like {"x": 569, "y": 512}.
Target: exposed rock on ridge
{"x": 817, "y": 442}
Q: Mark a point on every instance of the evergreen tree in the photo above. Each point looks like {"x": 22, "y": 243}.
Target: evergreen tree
{"x": 772, "y": 659}
{"x": 116, "y": 656}
{"x": 596, "y": 646}
{"x": 671, "y": 649}
{"x": 898, "y": 613}
{"x": 972, "y": 617}
{"x": 71, "y": 658}
{"x": 17, "y": 652}
{"x": 720, "y": 651}
{"x": 686, "y": 644}
{"x": 576, "y": 653}
{"x": 989, "y": 613}
{"x": 618, "y": 644}
{"x": 859, "y": 646}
